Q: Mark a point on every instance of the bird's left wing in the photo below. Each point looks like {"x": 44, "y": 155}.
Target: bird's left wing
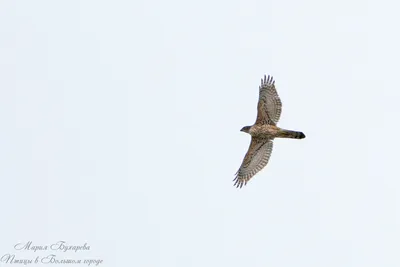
{"x": 269, "y": 106}
{"x": 256, "y": 158}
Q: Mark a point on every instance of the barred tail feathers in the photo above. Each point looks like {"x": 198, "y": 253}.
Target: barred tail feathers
{"x": 291, "y": 134}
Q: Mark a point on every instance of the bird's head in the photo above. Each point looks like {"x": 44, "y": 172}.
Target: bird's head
{"x": 245, "y": 129}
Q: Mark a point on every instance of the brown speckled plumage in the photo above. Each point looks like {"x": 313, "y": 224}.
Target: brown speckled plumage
{"x": 263, "y": 132}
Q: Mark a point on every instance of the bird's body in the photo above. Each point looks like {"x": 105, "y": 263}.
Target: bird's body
{"x": 263, "y": 132}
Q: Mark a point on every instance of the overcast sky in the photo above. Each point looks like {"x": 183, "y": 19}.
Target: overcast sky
{"x": 120, "y": 128}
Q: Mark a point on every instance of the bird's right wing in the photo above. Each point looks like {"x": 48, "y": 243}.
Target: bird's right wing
{"x": 256, "y": 158}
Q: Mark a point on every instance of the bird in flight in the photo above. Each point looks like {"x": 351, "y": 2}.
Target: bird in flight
{"x": 263, "y": 132}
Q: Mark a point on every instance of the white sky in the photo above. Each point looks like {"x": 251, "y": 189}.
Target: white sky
{"x": 120, "y": 128}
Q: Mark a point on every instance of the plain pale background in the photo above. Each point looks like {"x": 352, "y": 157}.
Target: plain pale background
{"x": 120, "y": 128}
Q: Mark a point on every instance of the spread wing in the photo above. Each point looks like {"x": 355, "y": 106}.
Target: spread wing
{"x": 256, "y": 158}
{"x": 269, "y": 104}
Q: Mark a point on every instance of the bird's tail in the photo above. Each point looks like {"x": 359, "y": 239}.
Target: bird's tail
{"x": 291, "y": 134}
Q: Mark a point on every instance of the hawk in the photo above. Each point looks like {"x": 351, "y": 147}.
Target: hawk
{"x": 263, "y": 132}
